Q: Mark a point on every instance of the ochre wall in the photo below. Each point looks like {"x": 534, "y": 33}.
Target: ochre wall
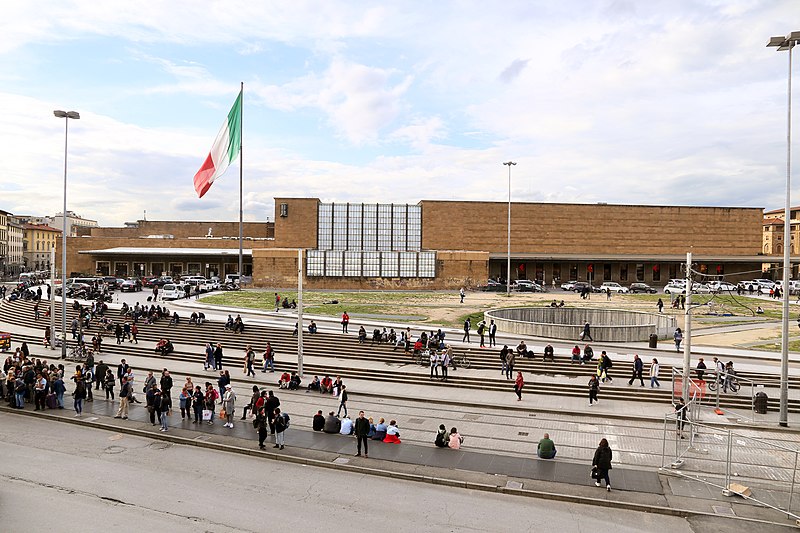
{"x": 591, "y": 228}
{"x": 299, "y": 228}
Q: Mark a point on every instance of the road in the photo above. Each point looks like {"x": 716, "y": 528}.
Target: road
{"x": 92, "y": 480}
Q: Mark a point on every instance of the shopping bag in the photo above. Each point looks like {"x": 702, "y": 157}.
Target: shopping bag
{"x": 223, "y": 413}
{"x": 207, "y": 414}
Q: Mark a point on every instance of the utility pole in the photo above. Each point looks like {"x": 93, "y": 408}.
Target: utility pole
{"x": 300, "y": 312}
{"x": 53, "y": 298}
{"x": 687, "y": 328}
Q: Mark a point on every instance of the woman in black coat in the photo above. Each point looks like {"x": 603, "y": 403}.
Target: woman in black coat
{"x": 601, "y": 463}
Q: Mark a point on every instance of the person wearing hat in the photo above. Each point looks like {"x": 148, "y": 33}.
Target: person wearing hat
{"x": 229, "y": 403}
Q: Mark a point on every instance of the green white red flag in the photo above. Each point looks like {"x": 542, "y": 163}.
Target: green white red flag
{"x": 226, "y": 147}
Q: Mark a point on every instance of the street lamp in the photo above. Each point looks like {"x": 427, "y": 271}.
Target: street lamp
{"x": 786, "y": 43}
{"x": 66, "y": 115}
{"x": 508, "y": 271}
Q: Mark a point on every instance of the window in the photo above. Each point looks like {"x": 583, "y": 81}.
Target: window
{"x": 408, "y": 265}
{"x": 334, "y": 266}
{"x": 389, "y": 264}
{"x": 352, "y": 264}
{"x": 656, "y": 272}
{"x": 340, "y": 226}
{"x": 121, "y": 269}
{"x": 606, "y": 271}
{"x": 623, "y": 272}
{"x": 138, "y": 269}
{"x": 639, "y": 272}
{"x": 673, "y": 271}
{"x": 354, "y": 228}
{"x": 371, "y": 264}
{"x": 573, "y": 272}
{"x": 557, "y": 271}
{"x": 399, "y": 227}
{"x": 427, "y": 264}
{"x": 325, "y": 227}
{"x": 103, "y": 268}
{"x": 157, "y": 269}
{"x": 315, "y": 263}
{"x": 194, "y": 269}
{"x": 370, "y": 227}
{"x": 176, "y": 269}
{"x": 539, "y": 267}
{"x": 385, "y": 227}
{"x": 414, "y": 227}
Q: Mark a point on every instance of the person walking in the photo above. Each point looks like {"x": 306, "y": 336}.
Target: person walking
{"x": 277, "y": 302}
{"x": 503, "y": 359}
{"x": 461, "y": 293}
{"x": 482, "y": 333}
{"x": 587, "y": 332}
{"x": 681, "y": 410}
{"x": 345, "y": 321}
{"x": 678, "y": 336}
{"x": 343, "y": 399}
{"x": 654, "y": 367}
{"x": 229, "y": 404}
{"x": 249, "y": 359}
{"x": 518, "y": 384}
{"x": 492, "y": 334}
{"x": 603, "y": 365}
{"x": 209, "y": 360}
{"x": 281, "y": 423}
{"x": 601, "y": 464}
{"x": 361, "y": 427}
{"x": 660, "y": 305}
{"x": 134, "y": 333}
{"x": 594, "y": 386}
{"x": 467, "y": 327}
{"x": 638, "y": 367}
{"x": 701, "y": 369}
{"x": 198, "y": 404}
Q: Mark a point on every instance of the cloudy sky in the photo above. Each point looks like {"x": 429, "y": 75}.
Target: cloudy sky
{"x": 619, "y": 101}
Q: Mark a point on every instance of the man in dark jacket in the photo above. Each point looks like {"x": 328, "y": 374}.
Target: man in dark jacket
{"x": 151, "y": 397}
{"x": 218, "y": 356}
{"x": 100, "y": 374}
{"x": 332, "y": 424}
{"x": 638, "y": 366}
{"x": 318, "y": 422}
{"x": 166, "y": 387}
{"x": 271, "y": 404}
{"x": 362, "y": 430}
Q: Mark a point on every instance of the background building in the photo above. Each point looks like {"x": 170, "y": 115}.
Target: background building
{"x": 37, "y": 241}
{"x": 14, "y": 259}
{"x": 74, "y": 222}
{"x": 437, "y": 244}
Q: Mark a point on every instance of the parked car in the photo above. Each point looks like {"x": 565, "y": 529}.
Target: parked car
{"x": 526, "y": 285}
{"x": 568, "y": 286}
{"x": 722, "y": 286}
{"x": 674, "y": 288}
{"x": 642, "y": 287}
{"x": 173, "y": 291}
{"x": 613, "y": 286}
{"x": 492, "y": 286}
{"x": 112, "y": 281}
{"x": 130, "y": 285}
{"x": 580, "y": 285}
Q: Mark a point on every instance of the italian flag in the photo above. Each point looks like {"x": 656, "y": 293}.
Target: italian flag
{"x": 226, "y": 147}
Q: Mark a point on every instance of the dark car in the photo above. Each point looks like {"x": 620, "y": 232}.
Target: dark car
{"x": 112, "y": 281}
{"x": 130, "y": 285}
{"x": 642, "y": 287}
{"x": 581, "y": 285}
{"x": 492, "y": 286}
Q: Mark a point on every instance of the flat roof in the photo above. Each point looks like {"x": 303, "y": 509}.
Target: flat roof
{"x": 131, "y": 250}
{"x": 588, "y": 257}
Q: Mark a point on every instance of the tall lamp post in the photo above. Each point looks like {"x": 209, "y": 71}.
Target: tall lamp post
{"x": 782, "y": 44}
{"x": 66, "y": 115}
{"x": 508, "y": 265}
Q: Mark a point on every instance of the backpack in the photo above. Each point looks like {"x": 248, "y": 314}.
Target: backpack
{"x": 285, "y": 420}
{"x": 608, "y": 362}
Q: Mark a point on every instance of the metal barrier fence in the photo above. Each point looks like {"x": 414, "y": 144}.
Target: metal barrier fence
{"x": 708, "y": 392}
{"x": 755, "y": 469}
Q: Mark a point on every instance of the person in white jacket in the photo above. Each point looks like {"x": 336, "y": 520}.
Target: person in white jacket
{"x": 229, "y": 404}
{"x": 654, "y": 374}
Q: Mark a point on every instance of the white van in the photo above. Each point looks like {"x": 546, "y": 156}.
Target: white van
{"x": 173, "y": 291}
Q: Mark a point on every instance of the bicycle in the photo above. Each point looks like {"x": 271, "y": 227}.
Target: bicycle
{"x": 733, "y": 383}
{"x": 78, "y": 353}
{"x": 461, "y": 360}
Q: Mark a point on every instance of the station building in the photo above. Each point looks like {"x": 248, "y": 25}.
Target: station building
{"x": 437, "y": 244}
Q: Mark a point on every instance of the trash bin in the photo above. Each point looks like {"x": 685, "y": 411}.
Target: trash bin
{"x": 653, "y": 340}
{"x": 760, "y": 403}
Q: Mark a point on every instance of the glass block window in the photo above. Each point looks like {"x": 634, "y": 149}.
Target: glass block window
{"x": 340, "y": 226}
{"x": 352, "y": 264}
{"x": 371, "y": 262}
{"x": 315, "y": 263}
{"x": 399, "y": 227}
{"x": 390, "y": 264}
{"x": 334, "y": 264}
{"x": 408, "y": 265}
{"x": 414, "y": 233}
{"x": 370, "y": 227}
{"x": 354, "y": 227}
{"x": 427, "y": 265}
{"x": 325, "y": 227}
{"x": 385, "y": 227}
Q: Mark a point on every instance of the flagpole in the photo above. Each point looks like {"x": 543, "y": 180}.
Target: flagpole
{"x": 241, "y": 166}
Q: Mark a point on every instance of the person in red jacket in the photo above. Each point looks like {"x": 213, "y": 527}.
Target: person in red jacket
{"x": 326, "y": 385}
{"x": 518, "y": 384}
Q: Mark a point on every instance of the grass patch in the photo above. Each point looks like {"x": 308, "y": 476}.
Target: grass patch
{"x": 794, "y": 346}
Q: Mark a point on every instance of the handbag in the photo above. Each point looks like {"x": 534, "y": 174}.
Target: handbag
{"x": 223, "y": 413}
{"x": 207, "y": 414}
{"x": 594, "y": 473}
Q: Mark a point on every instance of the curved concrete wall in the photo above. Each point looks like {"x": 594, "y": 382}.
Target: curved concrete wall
{"x": 607, "y": 325}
